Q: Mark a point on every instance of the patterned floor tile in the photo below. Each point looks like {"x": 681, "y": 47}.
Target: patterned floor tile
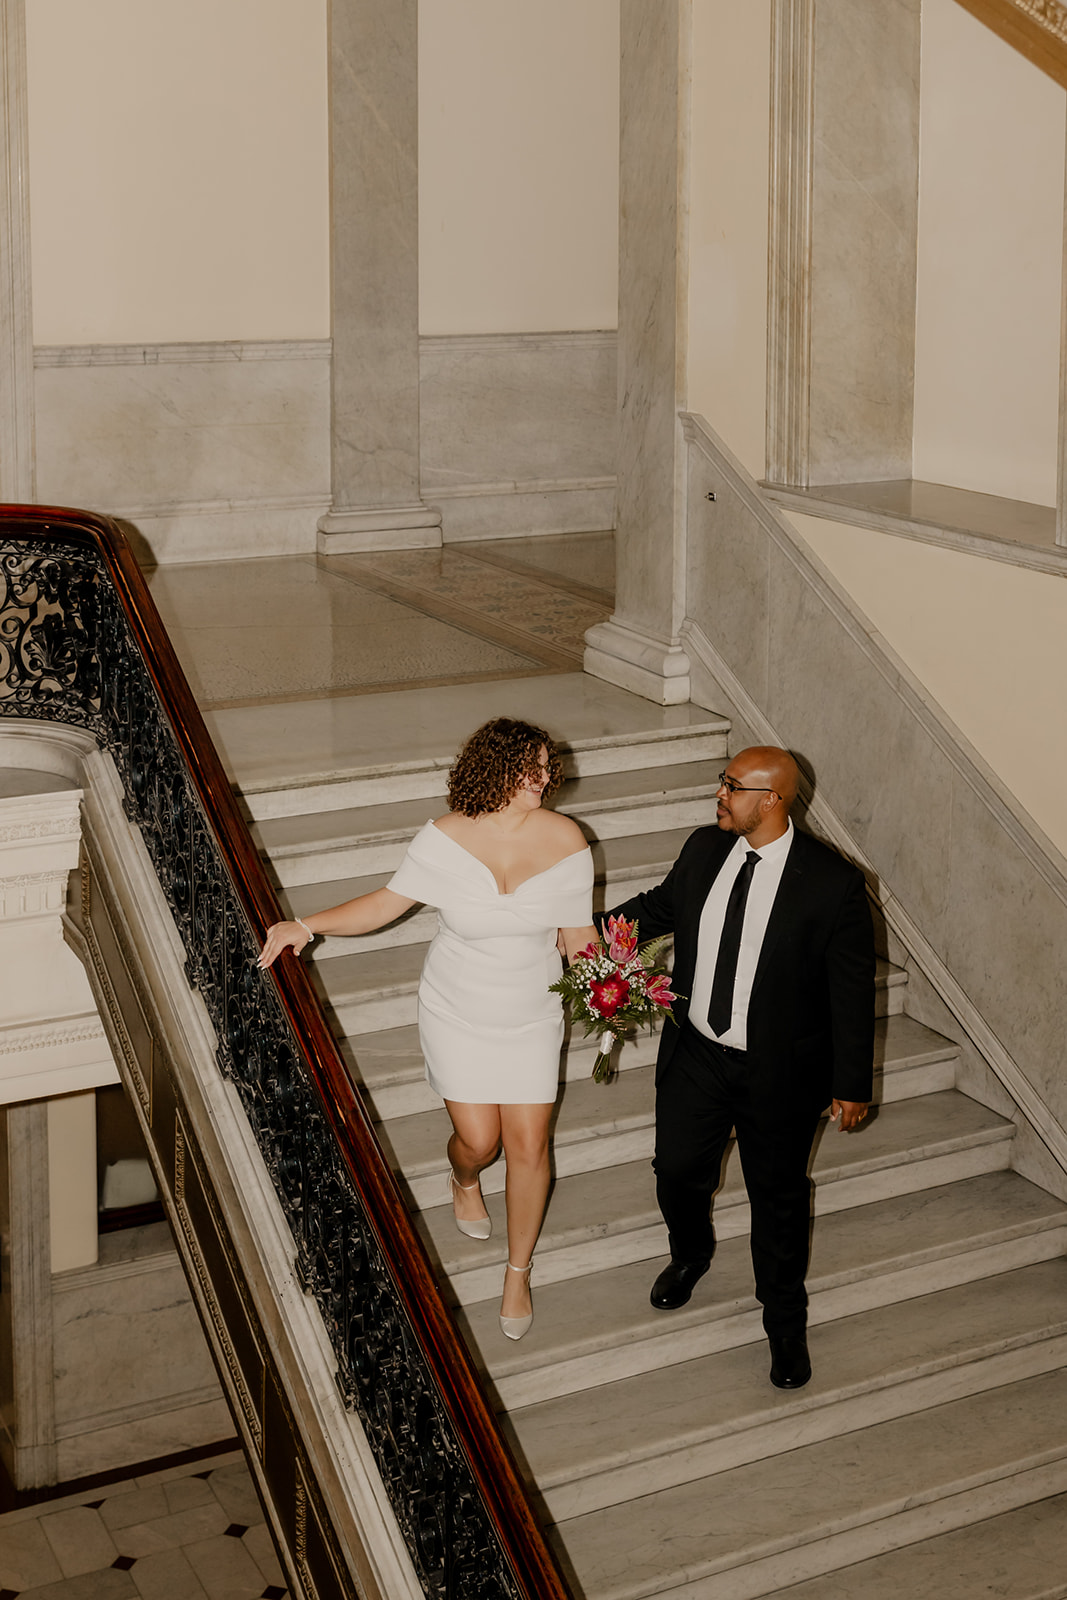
{"x": 79, "y": 1539}
{"x": 167, "y": 1576}
{"x": 26, "y": 1557}
{"x": 226, "y": 1569}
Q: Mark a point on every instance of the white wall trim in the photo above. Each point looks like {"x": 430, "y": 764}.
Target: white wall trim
{"x": 313, "y": 504}
{"x": 514, "y": 343}
{"x": 151, "y": 355}
{"x": 520, "y": 486}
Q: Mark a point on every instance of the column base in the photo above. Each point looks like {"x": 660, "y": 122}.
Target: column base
{"x": 638, "y": 662}
{"x": 348, "y": 531}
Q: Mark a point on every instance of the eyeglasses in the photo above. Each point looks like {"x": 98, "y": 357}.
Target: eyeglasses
{"x": 740, "y": 788}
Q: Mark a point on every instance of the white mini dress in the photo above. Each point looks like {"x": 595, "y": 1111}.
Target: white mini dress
{"x": 490, "y": 1031}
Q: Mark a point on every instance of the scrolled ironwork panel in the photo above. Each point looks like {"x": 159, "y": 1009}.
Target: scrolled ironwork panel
{"x": 67, "y": 654}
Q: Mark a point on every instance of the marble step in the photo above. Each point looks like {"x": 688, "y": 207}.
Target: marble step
{"x": 909, "y": 1060}
{"x": 621, "y": 1440}
{"x": 376, "y": 988}
{"x": 367, "y": 839}
{"x": 754, "y": 1529}
{"x": 601, "y": 1215}
{"x": 601, "y": 1328}
{"x": 1022, "y": 1552}
{"x": 623, "y": 867}
{"x": 601, "y": 1125}
{"x": 628, "y": 735}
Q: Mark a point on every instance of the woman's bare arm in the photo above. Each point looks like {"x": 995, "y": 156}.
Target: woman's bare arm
{"x": 362, "y": 915}
{"x": 573, "y": 940}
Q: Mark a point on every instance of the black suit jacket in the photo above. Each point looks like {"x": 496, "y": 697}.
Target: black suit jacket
{"x": 811, "y": 1015}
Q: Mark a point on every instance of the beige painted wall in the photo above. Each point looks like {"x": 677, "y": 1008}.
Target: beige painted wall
{"x": 518, "y": 165}
{"x": 990, "y": 245}
{"x": 728, "y": 223}
{"x": 178, "y": 170}
{"x": 989, "y": 642}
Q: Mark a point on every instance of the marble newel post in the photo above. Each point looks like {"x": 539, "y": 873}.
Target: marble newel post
{"x": 639, "y": 647}
{"x": 16, "y": 323}
{"x": 374, "y": 257}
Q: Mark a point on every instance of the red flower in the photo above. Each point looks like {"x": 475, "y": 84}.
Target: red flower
{"x": 659, "y": 990}
{"x": 622, "y": 938}
{"x": 590, "y": 953}
{"x": 608, "y": 994}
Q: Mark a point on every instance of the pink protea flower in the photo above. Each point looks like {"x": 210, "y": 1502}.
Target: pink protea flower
{"x": 658, "y": 990}
{"x": 608, "y": 994}
{"x": 622, "y": 938}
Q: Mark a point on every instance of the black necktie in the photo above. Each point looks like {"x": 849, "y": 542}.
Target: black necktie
{"x": 721, "y": 1008}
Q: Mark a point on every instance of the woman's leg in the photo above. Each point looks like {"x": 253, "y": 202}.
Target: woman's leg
{"x": 475, "y": 1142}
{"x": 525, "y": 1132}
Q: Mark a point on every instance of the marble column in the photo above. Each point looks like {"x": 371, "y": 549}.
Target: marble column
{"x": 27, "y": 1439}
{"x": 16, "y": 321}
{"x": 374, "y": 259}
{"x": 639, "y": 648}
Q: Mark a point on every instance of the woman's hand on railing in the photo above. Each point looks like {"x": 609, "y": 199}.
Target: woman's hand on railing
{"x": 283, "y": 936}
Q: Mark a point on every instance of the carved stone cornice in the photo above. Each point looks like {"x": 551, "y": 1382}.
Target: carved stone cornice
{"x": 1036, "y": 28}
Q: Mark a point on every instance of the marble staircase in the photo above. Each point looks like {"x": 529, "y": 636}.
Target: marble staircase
{"x": 930, "y": 1449}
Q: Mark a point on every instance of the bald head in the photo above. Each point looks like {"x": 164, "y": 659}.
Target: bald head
{"x": 755, "y": 802}
{"x": 767, "y": 765}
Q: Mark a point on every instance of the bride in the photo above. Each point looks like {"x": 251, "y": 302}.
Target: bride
{"x": 510, "y": 881}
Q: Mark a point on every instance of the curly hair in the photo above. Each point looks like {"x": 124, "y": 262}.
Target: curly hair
{"x": 493, "y": 762}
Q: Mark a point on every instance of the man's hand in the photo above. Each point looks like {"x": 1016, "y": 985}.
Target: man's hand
{"x": 851, "y": 1113}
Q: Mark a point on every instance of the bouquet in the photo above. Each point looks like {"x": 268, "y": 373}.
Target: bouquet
{"x": 614, "y": 986}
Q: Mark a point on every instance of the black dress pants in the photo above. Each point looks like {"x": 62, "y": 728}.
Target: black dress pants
{"x": 704, "y": 1092}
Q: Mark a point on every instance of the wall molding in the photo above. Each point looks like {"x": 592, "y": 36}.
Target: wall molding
{"x": 486, "y": 343}
{"x": 789, "y": 242}
{"x": 154, "y": 355}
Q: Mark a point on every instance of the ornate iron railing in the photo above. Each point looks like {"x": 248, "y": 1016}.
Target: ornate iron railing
{"x": 81, "y": 643}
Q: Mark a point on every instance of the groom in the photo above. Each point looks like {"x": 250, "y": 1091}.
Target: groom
{"x": 774, "y": 949}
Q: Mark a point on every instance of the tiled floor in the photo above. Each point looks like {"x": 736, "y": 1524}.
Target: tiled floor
{"x": 189, "y": 1533}
{"x": 310, "y": 627}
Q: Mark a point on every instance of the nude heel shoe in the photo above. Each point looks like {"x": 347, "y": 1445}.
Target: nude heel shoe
{"x": 481, "y": 1227}
{"x": 515, "y": 1327}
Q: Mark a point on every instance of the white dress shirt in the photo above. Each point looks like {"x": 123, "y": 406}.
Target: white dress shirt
{"x": 766, "y": 878}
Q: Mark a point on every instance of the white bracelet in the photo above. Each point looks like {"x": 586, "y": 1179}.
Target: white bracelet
{"x": 306, "y": 929}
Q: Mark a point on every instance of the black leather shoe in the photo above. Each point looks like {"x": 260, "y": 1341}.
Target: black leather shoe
{"x": 790, "y": 1363}
{"x": 676, "y": 1283}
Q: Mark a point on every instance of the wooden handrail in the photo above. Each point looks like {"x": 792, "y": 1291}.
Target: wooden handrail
{"x": 1036, "y": 28}
{"x": 491, "y": 1462}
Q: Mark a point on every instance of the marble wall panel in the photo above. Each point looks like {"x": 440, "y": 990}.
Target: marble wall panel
{"x": 1005, "y": 927}
{"x": 865, "y": 153}
{"x": 728, "y": 576}
{"x": 516, "y": 409}
{"x": 128, "y": 1342}
{"x": 170, "y": 428}
{"x": 883, "y": 776}
{"x": 220, "y": 451}
{"x": 656, "y": 44}
{"x": 374, "y": 252}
